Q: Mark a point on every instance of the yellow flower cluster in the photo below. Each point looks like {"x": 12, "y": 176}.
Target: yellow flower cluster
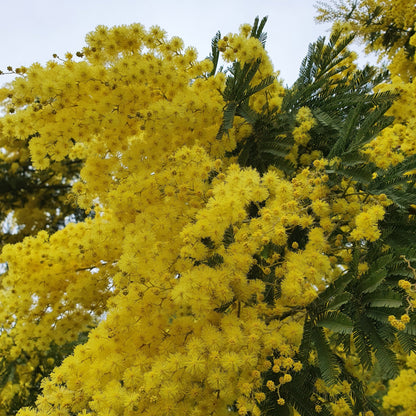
{"x": 410, "y": 297}
{"x": 400, "y": 397}
{"x": 305, "y": 121}
{"x": 366, "y": 223}
{"x": 399, "y": 324}
{"x": 333, "y": 396}
{"x": 144, "y": 124}
{"x": 182, "y": 298}
{"x": 195, "y": 272}
{"x": 397, "y": 141}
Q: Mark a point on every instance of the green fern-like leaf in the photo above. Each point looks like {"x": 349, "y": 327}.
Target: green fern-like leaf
{"x": 396, "y": 183}
{"x": 407, "y": 341}
{"x": 363, "y": 347}
{"x": 326, "y": 359}
{"x": 381, "y": 314}
{"x": 336, "y": 322}
{"x": 306, "y": 343}
{"x": 384, "y": 298}
{"x": 372, "y": 279}
{"x": 298, "y": 392}
{"x": 215, "y": 53}
{"x": 257, "y": 30}
{"x": 384, "y": 355}
{"x": 337, "y": 301}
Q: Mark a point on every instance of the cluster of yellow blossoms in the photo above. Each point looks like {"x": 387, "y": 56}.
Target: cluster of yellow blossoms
{"x": 162, "y": 266}
{"x": 401, "y": 397}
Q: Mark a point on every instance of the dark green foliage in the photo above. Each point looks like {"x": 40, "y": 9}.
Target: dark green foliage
{"x": 399, "y": 230}
{"x": 237, "y": 92}
{"x": 215, "y": 53}
{"x": 397, "y": 183}
{"x": 335, "y": 321}
{"x": 257, "y": 30}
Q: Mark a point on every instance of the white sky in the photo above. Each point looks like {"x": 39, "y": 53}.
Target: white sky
{"x": 32, "y": 30}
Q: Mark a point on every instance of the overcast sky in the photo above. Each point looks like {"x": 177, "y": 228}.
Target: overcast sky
{"x": 33, "y": 30}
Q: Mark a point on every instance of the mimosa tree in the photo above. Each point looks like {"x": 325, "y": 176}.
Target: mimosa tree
{"x": 243, "y": 248}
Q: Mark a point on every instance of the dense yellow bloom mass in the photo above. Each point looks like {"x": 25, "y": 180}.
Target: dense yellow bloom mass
{"x": 161, "y": 267}
{"x": 144, "y": 124}
{"x": 401, "y": 394}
